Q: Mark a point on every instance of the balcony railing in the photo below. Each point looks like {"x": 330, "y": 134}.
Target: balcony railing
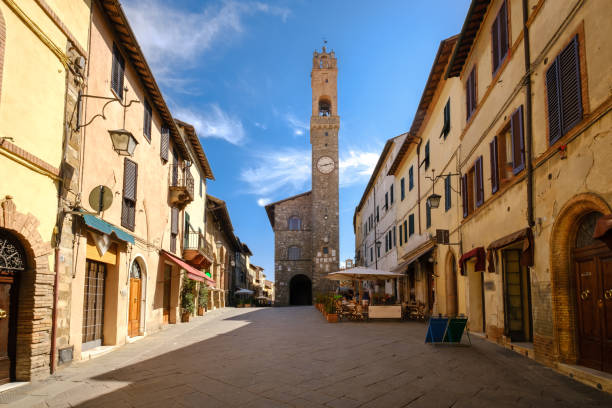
{"x": 196, "y": 250}
{"x": 181, "y": 185}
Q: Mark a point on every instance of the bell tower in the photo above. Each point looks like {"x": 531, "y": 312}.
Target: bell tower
{"x": 324, "y": 126}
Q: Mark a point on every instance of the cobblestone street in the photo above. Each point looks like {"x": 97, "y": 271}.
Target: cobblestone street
{"x": 290, "y": 357}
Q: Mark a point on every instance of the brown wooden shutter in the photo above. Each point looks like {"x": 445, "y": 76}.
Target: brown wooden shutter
{"x": 553, "y": 95}
{"x": 147, "y": 121}
{"x": 468, "y": 96}
{"x": 503, "y": 32}
{"x": 165, "y": 143}
{"x": 479, "y": 182}
{"x": 518, "y": 141}
{"x": 473, "y": 93}
{"x": 494, "y": 165}
{"x": 571, "y": 98}
{"x": 117, "y": 72}
{"x": 464, "y": 194}
{"x": 174, "y": 216}
{"x": 495, "y": 43}
{"x": 130, "y": 176}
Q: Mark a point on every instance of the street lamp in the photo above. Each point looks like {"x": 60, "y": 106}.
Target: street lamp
{"x": 218, "y": 244}
{"x": 433, "y": 201}
{"x": 124, "y": 142}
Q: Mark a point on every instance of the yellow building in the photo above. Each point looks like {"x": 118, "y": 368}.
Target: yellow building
{"x": 43, "y": 47}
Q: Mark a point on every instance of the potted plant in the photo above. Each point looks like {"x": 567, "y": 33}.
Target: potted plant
{"x": 187, "y": 299}
{"x": 202, "y": 299}
{"x": 330, "y": 309}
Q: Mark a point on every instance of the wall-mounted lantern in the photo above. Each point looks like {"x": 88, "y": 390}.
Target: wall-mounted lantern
{"x": 124, "y": 142}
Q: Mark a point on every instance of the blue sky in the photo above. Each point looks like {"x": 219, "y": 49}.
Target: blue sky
{"x": 239, "y": 71}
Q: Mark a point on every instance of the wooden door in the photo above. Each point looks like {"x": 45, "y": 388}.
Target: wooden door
{"x": 167, "y": 287}
{"x": 516, "y": 302}
{"x": 93, "y": 304}
{"x": 6, "y": 355}
{"x": 134, "y": 313}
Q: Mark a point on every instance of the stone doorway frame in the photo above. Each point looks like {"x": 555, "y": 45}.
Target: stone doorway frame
{"x": 35, "y": 303}
{"x": 564, "y": 229}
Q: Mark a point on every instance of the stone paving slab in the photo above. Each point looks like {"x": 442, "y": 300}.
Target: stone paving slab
{"x": 291, "y": 357}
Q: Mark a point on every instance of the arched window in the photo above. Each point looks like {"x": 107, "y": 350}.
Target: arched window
{"x": 12, "y": 255}
{"x": 584, "y": 236}
{"x": 294, "y": 253}
{"x": 295, "y": 223}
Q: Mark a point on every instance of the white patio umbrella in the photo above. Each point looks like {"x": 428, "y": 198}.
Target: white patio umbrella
{"x": 362, "y": 273}
{"x": 244, "y": 292}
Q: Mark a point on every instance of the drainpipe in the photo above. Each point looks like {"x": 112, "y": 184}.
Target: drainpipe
{"x": 54, "y": 312}
{"x": 419, "y": 182}
{"x": 528, "y": 117}
{"x": 375, "y": 225}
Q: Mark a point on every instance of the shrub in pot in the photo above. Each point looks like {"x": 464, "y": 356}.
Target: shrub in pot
{"x": 202, "y": 299}
{"x": 187, "y": 299}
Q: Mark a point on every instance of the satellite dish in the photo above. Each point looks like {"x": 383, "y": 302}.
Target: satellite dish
{"x": 100, "y": 198}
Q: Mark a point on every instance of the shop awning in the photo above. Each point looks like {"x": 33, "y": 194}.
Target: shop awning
{"x": 479, "y": 254}
{"x": 524, "y": 235}
{"x": 419, "y": 252}
{"x": 104, "y": 227}
{"x": 603, "y": 230}
{"x": 192, "y": 272}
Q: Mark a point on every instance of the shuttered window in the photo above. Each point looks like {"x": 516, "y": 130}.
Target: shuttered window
{"x": 478, "y": 183}
{"x": 402, "y": 189}
{"x": 563, "y": 90}
{"x": 426, "y": 159}
{"x": 494, "y": 165}
{"x": 518, "y": 141}
{"x": 499, "y": 37}
{"x": 464, "y": 195}
{"x": 470, "y": 93}
{"x": 405, "y": 231}
{"x": 130, "y": 187}
{"x": 146, "y": 127}
{"x": 391, "y": 194}
{"x": 411, "y": 178}
{"x": 386, "y": 201}
{"x": 377, "y": 214}
{"x": 394, "y": 237}
{"x": 174, "y": 221}
{"x": 117, "y": 72}
{"x": 164, "y": 143}
{"x": 386, "y": 242}
{"x": 427, "y": 215}
{"x": 400, "y": 234}
{"x": 411, "y": 225}
{"x": 447, "y": 193}
{"x": 446, "y": 125}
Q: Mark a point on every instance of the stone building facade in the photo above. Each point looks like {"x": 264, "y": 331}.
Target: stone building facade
{"x": 306, "y": 226}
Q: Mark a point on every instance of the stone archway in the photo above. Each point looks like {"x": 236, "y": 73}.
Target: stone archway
{"x": 34, "y": 318}
{"x": 300, "y": 291}
{"x": 563, "y": 297}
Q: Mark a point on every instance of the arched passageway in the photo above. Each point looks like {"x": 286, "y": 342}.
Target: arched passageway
{"x": 300, "y": 291}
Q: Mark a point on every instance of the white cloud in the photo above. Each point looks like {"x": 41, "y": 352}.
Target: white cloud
{"x": 262, "y": 126}
{"x": 262, "y": 202}
{"x": 287, "y": 171}
{"x": 213, "y": 123}
{"x": 297, "y": 126}
{"x": 356, "y": 167}
{"x": 171, "y": 37}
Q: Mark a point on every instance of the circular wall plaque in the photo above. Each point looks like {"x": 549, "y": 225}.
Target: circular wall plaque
{"x": 100, "y": 198}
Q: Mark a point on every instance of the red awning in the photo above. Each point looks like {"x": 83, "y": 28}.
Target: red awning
{"x": 192, "y": 272}
{"x": 479, "y": 254}
{"x": 524, "y": 235}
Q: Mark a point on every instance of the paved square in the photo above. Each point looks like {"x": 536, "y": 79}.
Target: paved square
{"x": 291, "y": 357}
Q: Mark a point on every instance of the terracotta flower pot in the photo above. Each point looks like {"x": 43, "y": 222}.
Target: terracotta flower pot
{"x": 185, "y": 317}
{"x": 200, "y": 311}
{"x": 332, "y": 318}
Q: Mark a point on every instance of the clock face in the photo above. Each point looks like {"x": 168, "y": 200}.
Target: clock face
{"x": 325, "y": 164}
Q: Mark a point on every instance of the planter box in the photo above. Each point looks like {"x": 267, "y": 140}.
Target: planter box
{"x": 332, "y": 318}
{"x": 185, "y": 317}
{"x": 200, "y": 311}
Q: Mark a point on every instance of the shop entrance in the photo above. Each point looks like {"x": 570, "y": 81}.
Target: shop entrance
{"x": 300, "y": 291}
{"x": 167, "y": 292}
{"x": 135, "y": 300}
{"x": 12, "y": 264}
{"x": 476, "y": 300}
{"x": 517, "y": 297}
{"x": 93, "y": 304}
{"x": 593, "y": 285}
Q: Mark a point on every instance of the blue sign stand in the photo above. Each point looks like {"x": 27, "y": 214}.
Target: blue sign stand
{"x": 436, "y": 329}
{"x": 444, "y": 330}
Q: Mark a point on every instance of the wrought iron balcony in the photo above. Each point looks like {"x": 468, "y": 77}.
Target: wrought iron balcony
{"x": 196, "y": 251}
{"x": 181, "y": 185}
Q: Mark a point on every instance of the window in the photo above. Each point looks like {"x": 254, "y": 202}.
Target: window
{"x": 390, "y": 237}
{"x": 371, "y": 254}
{"x": 174, "y": 216}
{"x": 386, "y": 201}
{"x": 293, "y": 253}
{"x": 518, "y": 140}
{"x": 295, "y": 223}
{"x": 400, "y": 234}
{"x": 447, "y": 193}
{"x": 478, "y": 182}
{"x": 426, "y": 159}
{"x": 499, "y": 37}
{"x": 472, "y": 189}
{"x": 446, "y": 126}
{"x": 411, "y": 225}
{"x": 563, "y": 91}
{"x": 411, "y": 178}
{"x": 117, "y": 72}
{"x": 164, "y": 143}
{"x": 470, "y": 93}
{"x": 146, "y": 127}
{"x": 201, "y": 183}
{"x": 394, "y": 237}
{"x": 402, "y": 189}
{"x": 507, "y": 151}
{"x": 325, "y": 250}
{"x": 391, "y": 194}
{"x": 130, "y": 186}
{"x": 405, "y": 231}
{"x": 427, "y": 215}
{"x": 377, "y": 214}
{"x": 186, "y": 230}
{"x": 377, "y": 252}
{"x": 386, "y": 242}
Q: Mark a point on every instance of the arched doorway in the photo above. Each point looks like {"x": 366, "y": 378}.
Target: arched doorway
{"x": 593, "y": 295}
{"x": 136, "y": 298}
{"x": 451, "y": 285}
{"x": 300, "y": 291}
{"x": 12, "y": 264}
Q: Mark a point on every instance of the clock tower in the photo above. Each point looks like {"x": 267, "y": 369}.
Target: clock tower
{"x": 324, "y": 126}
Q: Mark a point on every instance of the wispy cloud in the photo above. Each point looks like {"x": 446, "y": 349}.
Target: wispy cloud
{"x": 286, "y": 171}
{"x": 213, "y": 122}
{"x": 190, "y": 34}
{"x": 356, "y": 166}
{"x": 298, "y": 127}
{"x": 262, "y": 202}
